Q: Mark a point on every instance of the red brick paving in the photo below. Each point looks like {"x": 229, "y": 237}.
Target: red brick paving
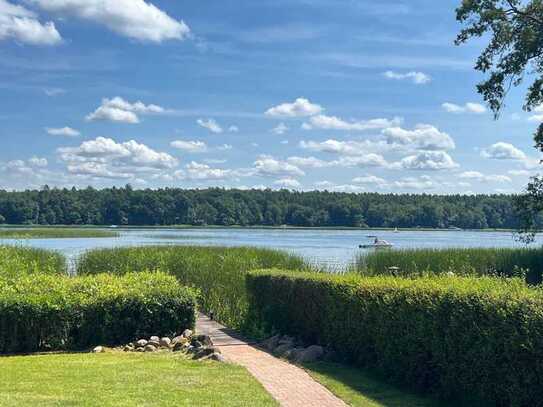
{"x": 290, "y": 385}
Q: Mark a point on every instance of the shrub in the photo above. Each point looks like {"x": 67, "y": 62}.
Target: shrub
{"x": 17, "y": 260}
{"x": 506, "y": 262}
{"x": 44, "y": 312}
{"x": 217, "y": 272}
{"x": 481, "y": 337}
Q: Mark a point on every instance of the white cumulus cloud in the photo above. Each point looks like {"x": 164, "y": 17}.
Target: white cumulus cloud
{"x": 423, "y": 137}
{"x": 469, "y": 107}
{"x": 267, "y": 166}
{"x": 503, "y": 151}
{"x": 336, "y": 123}
{"x": 22, "y": 25}
{"x": 418, "y": 78}
{"x": 210, "y": 124}
{"x": 428, "y": 160}
{"x": 135, "y": 19}
{"x": 190, "y": 146}
{"x": 301, "y": 107}
{"x": 62, "y": 131}
{"x": 478, "y": 176}
{"x": 119, "y": 110}
{"x": 289, "y": 183}
{"x": 281, "y": 128}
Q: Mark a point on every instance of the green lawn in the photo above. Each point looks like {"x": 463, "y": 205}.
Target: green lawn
{"x": 123, "y": 379}
{"x": 360, "y": 389}
{"x": 54, "y": 233}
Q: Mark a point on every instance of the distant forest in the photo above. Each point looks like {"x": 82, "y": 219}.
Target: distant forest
{"x": 127, "y": 206}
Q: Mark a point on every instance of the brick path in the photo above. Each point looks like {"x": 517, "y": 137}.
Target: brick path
{"x": 290, "y": 385}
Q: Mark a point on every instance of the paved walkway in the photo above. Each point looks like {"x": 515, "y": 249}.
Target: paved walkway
{"x": 287, "y": 383}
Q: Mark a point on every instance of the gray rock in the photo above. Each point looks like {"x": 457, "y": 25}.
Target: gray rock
{"x": 187, "y": 333}
{"x": 156, "y": 344}
{"x": 140, "y": 349}
{"x": 311, "y": 354}
{"x": 141, "y": 343}
{"x": 154, "y": 339}
{"x": 217, "y": 357}
{"x": 293, "y": 354}
{"x": 150, "y": 348}
{"x": 128, "y": 348}
{"x": 98, "y": 349}
{"x": 165, "y": 342}
{"x": 179, "y": 340}
{"x": 196, "y": 344}
{"x": 271, "y": 343}
{"x": 203, "y": 352}
{"x": 204, "y": 340}
{"x": 180, "y": 346}
{"x": 281, "y": 350}
{"x": 285, "y": 339}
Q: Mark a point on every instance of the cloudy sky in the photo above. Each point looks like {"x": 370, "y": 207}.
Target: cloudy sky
{"x": 348, "y": 95}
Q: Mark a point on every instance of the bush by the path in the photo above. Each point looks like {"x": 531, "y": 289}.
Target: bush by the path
{"x": 48, "y": 312}
{"x": 18, "y": 260}
{"x": 455, "y": 337}
{"x": 507, "y": 262}
{"x": 218, "y": 272}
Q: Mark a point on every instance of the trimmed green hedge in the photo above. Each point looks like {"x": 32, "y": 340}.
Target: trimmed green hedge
{"x": 480, "y": 338}
{"x": 45, "y": 312}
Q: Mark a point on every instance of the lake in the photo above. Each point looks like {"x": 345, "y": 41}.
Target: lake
{"x": 334, "y": 249}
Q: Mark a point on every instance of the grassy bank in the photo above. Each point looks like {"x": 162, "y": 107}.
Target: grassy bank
{"x": 218, "y": 272}
{"x": 54, "y": 233}
{"x": 507, "y": 262}
{"x": 16, "y": 261}
{"x": 120, "y": 379}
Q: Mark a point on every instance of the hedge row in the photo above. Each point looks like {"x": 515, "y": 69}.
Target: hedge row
{"x": 453, "y": 337}
{"x": 46, "y": 312}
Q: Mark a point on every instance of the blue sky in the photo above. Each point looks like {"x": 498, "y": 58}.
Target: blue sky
{"x": 303, "y": 94}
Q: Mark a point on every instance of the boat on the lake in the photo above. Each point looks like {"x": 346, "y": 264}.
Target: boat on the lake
{"x": 376, "y": 244}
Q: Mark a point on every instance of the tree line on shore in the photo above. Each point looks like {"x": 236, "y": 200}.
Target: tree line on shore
{"x": 227, "y": 207}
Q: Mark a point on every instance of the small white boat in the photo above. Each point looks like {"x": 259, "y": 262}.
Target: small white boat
{"x": 396, "y": 230}
{"x": 376, "y": 244}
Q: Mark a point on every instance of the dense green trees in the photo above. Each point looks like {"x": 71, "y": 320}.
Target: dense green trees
{"x": 215, "y": 206}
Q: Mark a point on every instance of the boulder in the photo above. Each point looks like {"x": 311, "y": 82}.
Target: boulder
{"x": 204, "y": 340}
{"x": 281, "y": 350}
{"x": 196, "y": 344}
{"x": 165, "y": 342}
{"x": 271, "y": 343}
{"x": 311, "y": 354}
{"x": 156, "y": 344}
{"x": 203, "y": 352}
{"x": 150, "y": 348}
{"x": 285, "y": 339}
{"x": 187, "y": 333}
{"x": 293, "y": 354}
{"x": 217, "y": 357}
{"x": 154, "y": 339}
{"x": 140, "y": 349}
{"x": 179, "y": 339}
{"x": 180, "y": 346}
{"x": 98, "y": 349}
{"x": 141, "y": 343}
{"x": 128, "y": 348}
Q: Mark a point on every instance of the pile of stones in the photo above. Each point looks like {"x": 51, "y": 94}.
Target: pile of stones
{"x": 283, "y": 346}
{"x": 199, "y": 347}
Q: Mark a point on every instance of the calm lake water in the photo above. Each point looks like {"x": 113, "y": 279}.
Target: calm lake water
{"x": 331, "y": 248}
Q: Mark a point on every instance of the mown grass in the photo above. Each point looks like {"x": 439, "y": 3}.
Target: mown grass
{"x": 16, "y": 261}
{"x": 121, "y": 379}
{"x": 218, "y": 272}
{"x": 359, "y": 388}
{"x": 55, "y": 233}
{"x": 508, "y": 262}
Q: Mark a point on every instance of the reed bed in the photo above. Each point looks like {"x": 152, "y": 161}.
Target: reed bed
{"x": 504, "y": 262}
{"x": 218, "y": 272}
{"x": 16, "y": 261}
{"x": 54, "y": 233}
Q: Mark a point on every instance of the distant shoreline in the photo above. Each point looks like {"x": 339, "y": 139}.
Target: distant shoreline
{"x": 256, "y": 227}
